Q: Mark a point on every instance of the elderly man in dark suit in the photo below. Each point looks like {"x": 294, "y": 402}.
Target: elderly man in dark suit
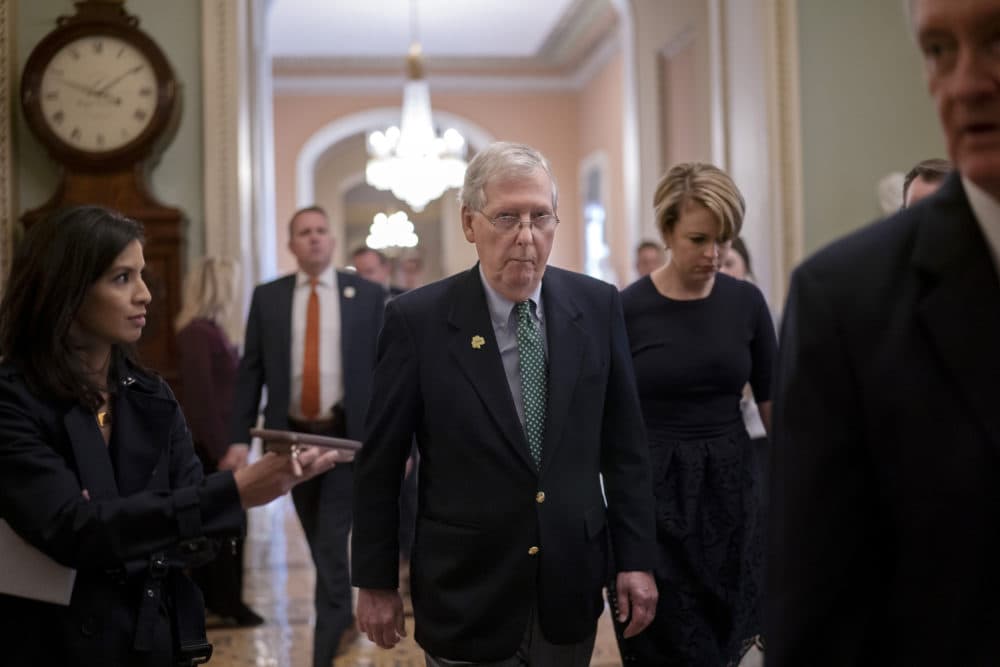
{"x": 885, "y": 504}
{"x": 516, "y": 380}
{"x": 310, "y": 339}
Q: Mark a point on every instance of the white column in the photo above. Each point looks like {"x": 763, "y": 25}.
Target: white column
{"x": 238, "y": 150}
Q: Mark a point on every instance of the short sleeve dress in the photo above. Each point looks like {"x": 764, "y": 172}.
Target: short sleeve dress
{"x": 692, "y": 359}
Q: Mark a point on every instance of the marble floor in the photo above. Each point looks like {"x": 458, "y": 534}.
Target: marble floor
{"x": 279, "y": 583}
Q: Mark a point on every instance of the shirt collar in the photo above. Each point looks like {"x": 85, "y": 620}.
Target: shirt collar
{"x": 326, "y": 279}
{"x": 987, "y": 212}
{"x": 501, "y": 307}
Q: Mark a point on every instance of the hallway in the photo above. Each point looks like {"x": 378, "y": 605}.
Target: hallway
{"x": 279, "y": 583}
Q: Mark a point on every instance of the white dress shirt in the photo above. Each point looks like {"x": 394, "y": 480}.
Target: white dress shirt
{"x": 331, "y": 380}
{"x": 987, "y": 211}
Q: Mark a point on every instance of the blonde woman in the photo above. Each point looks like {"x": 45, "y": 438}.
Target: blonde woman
{"x": 697, "y": 337}
{"x": 208, "y": 362}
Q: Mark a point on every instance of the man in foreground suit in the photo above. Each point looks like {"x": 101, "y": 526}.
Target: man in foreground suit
{"x": 310, "y": 339}
{"x": 520, "y": 391}
{"x": 885, "y": 506}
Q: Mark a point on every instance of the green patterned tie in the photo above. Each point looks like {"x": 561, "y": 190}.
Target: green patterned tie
{"x": 534, "y": 381}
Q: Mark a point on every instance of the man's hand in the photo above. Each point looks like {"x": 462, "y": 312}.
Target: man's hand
{"x": 637, "y": 596}
{"x": 380, "y": 616}
{"x": 236, "y": 457}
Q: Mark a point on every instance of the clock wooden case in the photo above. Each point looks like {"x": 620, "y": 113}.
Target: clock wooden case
{"x": 100, "y": 95}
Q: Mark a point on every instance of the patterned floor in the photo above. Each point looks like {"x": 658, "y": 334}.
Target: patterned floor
{"x": 279, "y": 583}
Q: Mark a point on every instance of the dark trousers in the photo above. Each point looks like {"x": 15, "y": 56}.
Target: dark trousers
{"x": 534, "y": 651}
{"x": 324, "y": 508}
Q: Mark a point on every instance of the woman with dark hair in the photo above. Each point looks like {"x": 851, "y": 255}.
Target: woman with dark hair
{"x": 97, "y": 467}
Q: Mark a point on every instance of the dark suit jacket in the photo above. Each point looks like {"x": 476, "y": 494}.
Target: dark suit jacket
{"x": 885, "y": 505}
{"x": 268, "y": 349}
{"x": 481, "y": 503}
{"x": 51, "y": 451}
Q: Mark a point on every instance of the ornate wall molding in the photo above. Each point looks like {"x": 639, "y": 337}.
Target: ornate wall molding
{"x": 8, "y": 83}
{"x": 225, "y": 139}
{"x": 785, "y": 113}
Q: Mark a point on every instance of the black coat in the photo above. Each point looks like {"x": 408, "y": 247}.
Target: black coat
{"x": 142, "y": 490}
{"x": 885, "y": 505}
{"x": 483, "y": 505}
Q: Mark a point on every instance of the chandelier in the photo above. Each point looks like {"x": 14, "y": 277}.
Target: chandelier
{"x": 411, "y": 160}
{"x": 391, "y": 231}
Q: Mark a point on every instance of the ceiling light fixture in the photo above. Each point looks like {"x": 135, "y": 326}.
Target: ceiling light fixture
{"x": 391, "y": 231}
{"x": 411, "y": 160}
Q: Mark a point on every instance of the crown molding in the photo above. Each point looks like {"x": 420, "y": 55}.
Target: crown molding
{"x": 325, "y": 84}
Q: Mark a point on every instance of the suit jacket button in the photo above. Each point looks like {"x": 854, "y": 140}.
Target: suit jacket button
{"x": 540, "y": 497}
{"x": 532, "y": 551}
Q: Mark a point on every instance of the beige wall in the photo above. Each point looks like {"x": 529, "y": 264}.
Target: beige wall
{"x": 548, "y": 121}
{"x": 601, "y": 129}
{"x": 865, "y": 111}
{"x": 177, "y": 179}
{"x": 664, "y": 29}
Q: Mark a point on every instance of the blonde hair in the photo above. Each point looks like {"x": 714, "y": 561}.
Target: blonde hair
{"x": 703, "y": 184}
{"x": 210, "y": 289}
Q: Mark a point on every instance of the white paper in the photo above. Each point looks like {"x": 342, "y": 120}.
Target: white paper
{"x": 28, "y": 573}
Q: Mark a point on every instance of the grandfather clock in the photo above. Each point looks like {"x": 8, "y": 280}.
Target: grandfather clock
{"x": 101, "y": 97}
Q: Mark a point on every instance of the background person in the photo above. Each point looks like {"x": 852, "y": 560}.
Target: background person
{"x": 310, "y": 339}
{"x": 697, "y": 338}
{"x": 207, "y": 365}
{"x": 373, "y": 265}
{"x": 649, "y": 255}
{"x": 515, "y": 378}
{"x": 97, "y": 467}
{"x": 924, "y": 179}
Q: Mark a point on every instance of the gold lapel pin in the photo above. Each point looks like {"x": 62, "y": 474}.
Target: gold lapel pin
{"x": 349, "y": 292}
{"x": 478, "y": 342}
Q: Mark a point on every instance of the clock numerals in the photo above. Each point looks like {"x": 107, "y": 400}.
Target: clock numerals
{"x": 58, "y": 117}
{"x": 140, "y": 114}
{"x": 75, "y": 54}
{"x": 145, "y": 92}
{"x": 98, "y": 47}
{"x": 52, "y": 95}
{"x": 75, "y": 134}
{"x": 100, "y": 140}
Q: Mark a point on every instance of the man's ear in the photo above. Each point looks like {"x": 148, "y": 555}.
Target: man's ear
{"x": 470, "y": 234}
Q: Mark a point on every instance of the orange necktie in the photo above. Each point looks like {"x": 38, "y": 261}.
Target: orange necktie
{"x": 310, "y": 356}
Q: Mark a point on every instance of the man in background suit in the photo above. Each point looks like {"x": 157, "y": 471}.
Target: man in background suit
{"x": 885, "y": 506}
{"x": 516, "y": 379}
{"x": 924, "y": 179}
{"x": 314, "y": 350}
{"x": 373, "y": 265}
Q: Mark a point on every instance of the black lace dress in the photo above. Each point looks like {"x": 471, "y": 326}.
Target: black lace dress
{"x": 692, "y": 360}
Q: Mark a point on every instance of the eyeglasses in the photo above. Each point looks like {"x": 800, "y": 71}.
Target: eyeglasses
{"x": 504, "y": 223}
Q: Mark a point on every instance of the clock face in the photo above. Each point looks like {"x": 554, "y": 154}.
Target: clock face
{"x": 98, "y": 93}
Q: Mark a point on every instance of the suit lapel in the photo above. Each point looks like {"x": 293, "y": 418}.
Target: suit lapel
{"x": 474, "y": 347}
{"x": 282, "y": 324}
{"x": 345, "y": 286}
{"x": 960, "y": 308}
{"x": 565, "y": 338}
{"x": 91, "y": 453}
